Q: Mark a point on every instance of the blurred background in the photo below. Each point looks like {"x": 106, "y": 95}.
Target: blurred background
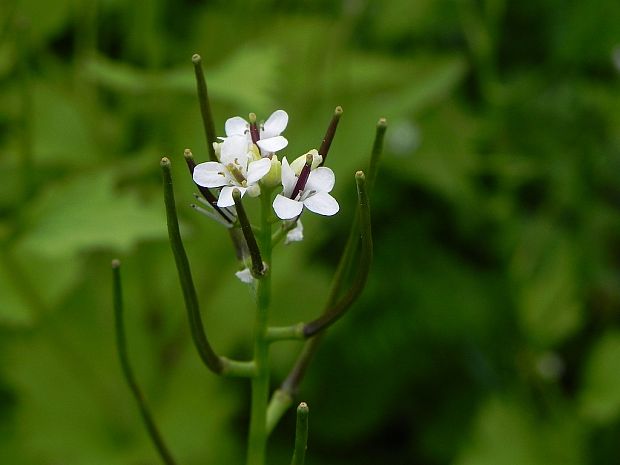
{"x": 490, "y": 329}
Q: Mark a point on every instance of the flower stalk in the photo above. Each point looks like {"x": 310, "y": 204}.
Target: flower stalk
{"x": 330, "y": 133}
{"x": 283, "y": 397}
{"x": 205, "y": 106}
{"x": 258, "y": 267}
{"x": 335, "y": 311}
{"x": 215, "y": 363}
{"x": 121, "y": 346}
{"x": 257, "y": 439}
{"x": 301, "y": 435}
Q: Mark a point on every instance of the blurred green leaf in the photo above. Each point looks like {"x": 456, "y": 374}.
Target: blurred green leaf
{"x": 545, "y": 266}
{"x": 506, "y": 432}
{"x": 41, "y": 20}
{"x": 59, "y": 125}
{"x": 600, "y": 394}
{"x": 429, "y": 80}
{"x": 87, "y": 213}
{"x": 228, "y": 81}
{"x": 24, "y": 296}
{"x": 444, "y": 165}
{"x": 14, "y": 307}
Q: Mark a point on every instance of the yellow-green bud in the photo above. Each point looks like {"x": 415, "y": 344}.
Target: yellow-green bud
{"x": 299, "y": 162}
{"x": 274, "y": 177}
{"x": 217, "y": 147}
{"x": 255, "y": 152}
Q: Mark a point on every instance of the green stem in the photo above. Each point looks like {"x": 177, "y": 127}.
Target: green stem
{"x": 257, "y": 440}
{"x": 279, "y": 404}
{"x": 333, "y": 312}
{"x": 206, "y": 352}
{"x": 375, "y": 154}
{"x": 336, "y": 308}
{"x": 205, "y": 106}
{"x": 215, "y": 363}
{"x": 329, "y": 135}
{"x": 121, "y": 344}
{"x": 248, "y": 234}
{"x": 283, "y": 397}
{"x": 283, "y": 333}
{"x": 301, "y": 435}
{"x": 26, "y": 159}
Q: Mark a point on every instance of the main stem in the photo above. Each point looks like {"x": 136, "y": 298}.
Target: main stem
{"x": 257, "y": 441}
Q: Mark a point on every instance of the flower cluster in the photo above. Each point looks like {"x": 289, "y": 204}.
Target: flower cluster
{"x": 247, "y": 160}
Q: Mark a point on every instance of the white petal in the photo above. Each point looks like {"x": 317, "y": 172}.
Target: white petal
{"x": 258, "y": 169}
{"x": 275, "y": 124}
{"x": 226, "y": 198}
{"x": 322, "y": 203}
{"x": 296, "y": 234}
{"x": 236, "y": 126}
{"x": 288, "y": 178}
{"x": 235, "y": 148}
{"x": 321, "y": 179}
{"x": 272, "y": 144}
{"x": 286, "y": 208}
{"x": 209, "y": 174}
{"x": 245, "y": 276}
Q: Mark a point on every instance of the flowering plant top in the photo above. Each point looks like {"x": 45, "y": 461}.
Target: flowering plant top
{"x": 245, "y": 161}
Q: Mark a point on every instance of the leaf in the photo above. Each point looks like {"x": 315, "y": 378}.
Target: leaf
{"x": 507, "y": 432}
{"x": 60, "y": 131}
{"x": 228, "y": 81}
{"x": 550, "y": 306}
{"x": 14, "y": 308}
{"x": 444, "y": 165}
{"x": 429, "y": 80}
{"x": 600, "y": 396}
{"x": 42, "y": 19}
{"x": 31, "y": 285}
{"x": 86, "y": 213}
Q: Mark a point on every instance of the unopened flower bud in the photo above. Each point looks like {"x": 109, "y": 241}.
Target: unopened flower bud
{"x": 217, "y": 146}
{"x": 274, "y": 177}
{"x": 255, "y": 152}
{"x": 298, "y": 164}
{"x": 253, "y": 190}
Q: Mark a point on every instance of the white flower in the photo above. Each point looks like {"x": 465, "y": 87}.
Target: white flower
{"x": 314, "y": 195}
{"x": 237, "y": 169}
{"x": 270, "y": 140}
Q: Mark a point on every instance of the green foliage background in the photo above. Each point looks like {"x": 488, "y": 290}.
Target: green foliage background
{"x": 489, "y": 332}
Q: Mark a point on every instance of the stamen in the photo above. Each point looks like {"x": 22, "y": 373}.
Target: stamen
{"x": 211, "y": 214}
{"x": 207, "y": 194}
{"x": 303, "y": 176}
{"x": 236, "y": 173}
{"x": 229, "y": 211}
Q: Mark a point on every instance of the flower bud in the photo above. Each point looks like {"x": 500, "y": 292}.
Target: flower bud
{"x": 253, "y": 190}
{"x": 255, "y": 152}
{"x": 298, "y": 164}
{"x": 217, "y": 147}
{"x": 274, "y": 177}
